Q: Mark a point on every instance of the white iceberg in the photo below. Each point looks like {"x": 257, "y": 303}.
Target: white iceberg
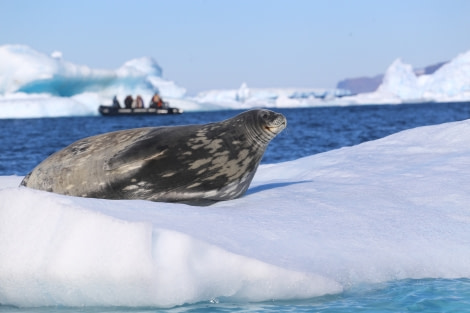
{"x": 394, "y": 208}
{"x": 247, "y": 98}
{"x": 450, "y": 83}
{"x": 33, "y": 84}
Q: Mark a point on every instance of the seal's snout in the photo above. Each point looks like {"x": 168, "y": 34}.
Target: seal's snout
{"x": 276, "y": 123}
{"x": 281, "y": 121}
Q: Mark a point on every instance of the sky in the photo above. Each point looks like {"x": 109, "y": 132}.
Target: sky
{"x": 220, "y": 44}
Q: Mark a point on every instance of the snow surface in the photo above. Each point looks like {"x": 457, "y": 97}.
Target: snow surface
{"x": 33, "y": 84}
{"x": 394, "y": 208}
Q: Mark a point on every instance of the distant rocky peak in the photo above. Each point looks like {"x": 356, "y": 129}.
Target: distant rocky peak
{"x": 370, "y": 84}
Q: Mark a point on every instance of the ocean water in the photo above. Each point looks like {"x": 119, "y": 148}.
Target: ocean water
{"x": 424, "y": 295}
{"x": 26, "y": 142}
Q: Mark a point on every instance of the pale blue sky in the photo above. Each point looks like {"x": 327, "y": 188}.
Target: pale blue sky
{"x": 213, "y": 44}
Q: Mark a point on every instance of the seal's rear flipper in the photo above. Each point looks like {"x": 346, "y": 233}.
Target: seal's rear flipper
{"x": 24, "y": 182}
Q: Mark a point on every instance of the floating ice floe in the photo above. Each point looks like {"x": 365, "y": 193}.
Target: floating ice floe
{"x": 394, "y": 208}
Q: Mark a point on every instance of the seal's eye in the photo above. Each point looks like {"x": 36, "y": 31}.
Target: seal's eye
{"x": 265, "y": 116}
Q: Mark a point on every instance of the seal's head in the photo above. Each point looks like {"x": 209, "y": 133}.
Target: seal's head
{"x": 265, "y": 124}
{"x": 272, "y": 122}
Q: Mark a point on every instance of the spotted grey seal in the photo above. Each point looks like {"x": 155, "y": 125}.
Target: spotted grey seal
{"x": 195, "y": 164}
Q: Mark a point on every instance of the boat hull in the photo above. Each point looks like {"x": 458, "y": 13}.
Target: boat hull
{"x": 113, "y": 111}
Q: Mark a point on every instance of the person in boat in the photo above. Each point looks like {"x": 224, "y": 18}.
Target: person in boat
{"x": 128, "y": 102}
{"x": 156, "y": 101}
{"x": 116, "y": 103}
{"x": 139, "y": 102}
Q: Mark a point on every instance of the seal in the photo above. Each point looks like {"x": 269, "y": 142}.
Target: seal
{"x": 193, "y": 164}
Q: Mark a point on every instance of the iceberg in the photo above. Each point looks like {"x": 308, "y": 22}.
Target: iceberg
{"x": 401, "y": 81}
{"x": 33, "y": 84}
{"x": 246, "y": 98}
{"x": 393, "y": 208}
{"x": 401, "y": 84}
{"x": 450, "y": 83}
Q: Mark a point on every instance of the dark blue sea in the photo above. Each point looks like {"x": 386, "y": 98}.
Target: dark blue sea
{"x": 26, "y": 142}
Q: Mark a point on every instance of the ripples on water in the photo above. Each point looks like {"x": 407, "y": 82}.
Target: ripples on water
{"x": 26, "y": 142}
{"x": 424, "y": 295}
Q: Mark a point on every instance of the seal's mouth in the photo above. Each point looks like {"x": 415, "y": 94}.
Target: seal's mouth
{"x": 273, "y": 130}
{"x": 277, "y": 128}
